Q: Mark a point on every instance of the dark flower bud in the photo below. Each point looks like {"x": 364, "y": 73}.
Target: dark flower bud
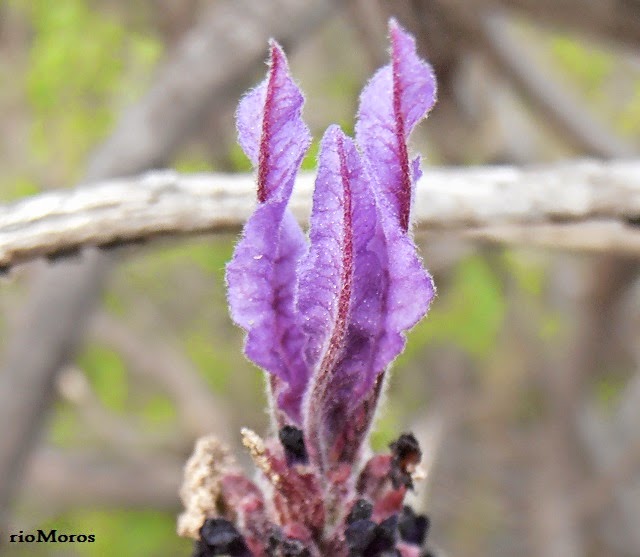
{"x": 406, "y": 449}
{"x": 384, "y": 538}
{"x": 406, "y": 456}
{"x": 293, "y": 443}
{"x": 273, "y": 542}
{"x": 222, "y": 538}
{"x": 361, "y": 510}
{"x": 281, "y": 546}
{"x": 359, "y": 535}
{"x": 413, "y": 527}
{"x": 293, "y": 548}
{"x": 201, "y": 550}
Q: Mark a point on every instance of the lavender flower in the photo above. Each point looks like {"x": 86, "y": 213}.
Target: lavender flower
{"x": 325, "y": 317}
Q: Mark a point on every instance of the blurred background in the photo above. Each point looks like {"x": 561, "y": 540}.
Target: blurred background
{"x": 524, "y": 381}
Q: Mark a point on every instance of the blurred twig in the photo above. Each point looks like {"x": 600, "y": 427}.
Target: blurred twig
{"x": 63, "y": 480}
{"x": 115, "y": 430}
{"x": 368, "y": 21}
{"x": 612, "y": 21}
{"x": 562, "y": 111}
{"x": 598, "y": 495}
{"x": 583, "y": 205}
{"x": 614, "y": 448}
{"x": 200, "y": 411}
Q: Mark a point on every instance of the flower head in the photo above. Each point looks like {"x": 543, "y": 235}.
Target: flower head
{"x": 325, "y": 317}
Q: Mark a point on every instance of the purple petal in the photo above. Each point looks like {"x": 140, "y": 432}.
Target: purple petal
{"x": 325, "y": 273}
{"x": 261, "y": 280}
{"x": 393, "y": 102}
{"x": 261, "y": 277}
{"x": 271, "y": 131}
{"x": 361, "y": 286}
{"x": 392, "y": 292}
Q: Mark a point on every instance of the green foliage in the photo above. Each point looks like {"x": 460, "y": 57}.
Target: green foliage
{"x": 122, "y": 533}
{"x": 192, "y": 165}
{"x": 212, "y": 256}
{"x": 17, "y": 188}
{"x": 206, "y": 257}
{"x": 238, "y": 159}
{"x": 213, "y": 361}
{"x": 587, "y": 64}
{"x": 107, "y": 374}
{"x": 528, "y": 276}
{"x": 153, "y": 534}
{"x": 603, "y": 77}
{"x": 551, "y": 326}
{"x": 609, "y": 388}
{"x": 83, "y": 64}
{"x": 126, "y": 533}
{"x": 158, "y": 412}
{"x": 114, "y": 303}
{"x": 310, "y": 160}
{"x": 64, "y": 425}
{"x": 628, "y": 121}
{"x": 469, "y": 315}
{"x": 386, "y": 428}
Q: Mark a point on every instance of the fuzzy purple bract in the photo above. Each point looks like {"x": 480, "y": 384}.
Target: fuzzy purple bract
{"x": 325, "y": 316}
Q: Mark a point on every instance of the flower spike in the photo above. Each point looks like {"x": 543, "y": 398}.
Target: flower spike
{"x": 325, "y": 317}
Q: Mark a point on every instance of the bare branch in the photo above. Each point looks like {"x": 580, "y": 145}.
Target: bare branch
{"x": 614, "y": 455}
{"x": 553, "y": 526}
{"x": 597, "y": 495}
{"x": 584, "y": 205}
{"x": 115, "y": 430}
{"x": 564, "y": 112}
{"x": 611, "y": 21}
{"x": 615, "y": 21}
{"x": 60, "y": 481}
{"x": 597, "y": 236}
{"x": 201, "y": 412}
